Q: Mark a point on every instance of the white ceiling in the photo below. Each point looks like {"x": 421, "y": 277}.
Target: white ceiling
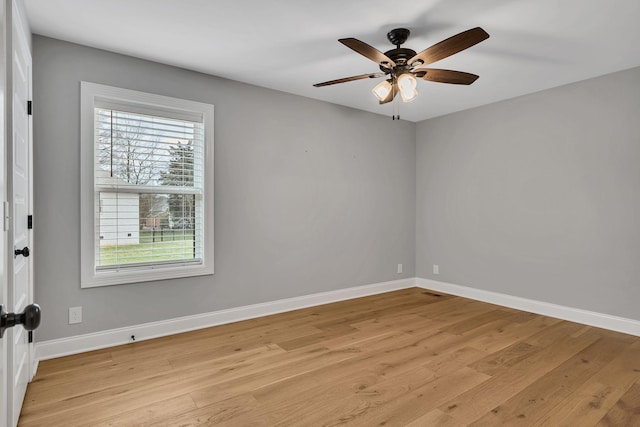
{"x": 289, "y": 45}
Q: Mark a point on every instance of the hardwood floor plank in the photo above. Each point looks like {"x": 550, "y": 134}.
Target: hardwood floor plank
{"x": 158, "y": 411}
{"x": 434, "y": 417}
{"x": 85, "y": 382}
{"x": 508, "y": 333}
{"x": 332, "y": 394}
{"x": 532, "y": 403}
{"x": 626, "y": 411}
{"x": 509, "y": 356}
{"x": 237, "y": 411}
{"x": 471, "y": 323}
{"x": 592, "y": 401}
{"x": 317, "y": 338}
{"x": 584, "y": 407}
{"x": 182, "y": 348}
{"x": 128, "y": 395}
{"x": 386, "y": 355}
{"x": 404, "y": 321}
{"x": 401, "y": 400}
{"x": 448, "y": 361}
{"x": 405, "y": 355}
{"x": 623, "y": 370}
{"x": 60, "y": 366}
{"x": 372, "y": 328}
{"x": 478, "y": 401}
{"x": 410, "y": 357}
{"x": 307, "y": 360}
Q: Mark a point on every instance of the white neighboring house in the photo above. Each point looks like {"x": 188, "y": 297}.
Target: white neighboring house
{"x": 119, "y": 215}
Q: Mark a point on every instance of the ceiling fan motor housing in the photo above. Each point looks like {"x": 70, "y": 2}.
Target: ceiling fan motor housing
{"x": 398, "y": 55}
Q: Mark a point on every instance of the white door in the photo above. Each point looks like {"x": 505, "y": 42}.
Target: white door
{"x": 16, "y": 289}
{"x": 4, "y": 225}
{"x": 19, "y": 193}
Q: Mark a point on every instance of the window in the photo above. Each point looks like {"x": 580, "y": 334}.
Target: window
{"x": 147, "y": 187}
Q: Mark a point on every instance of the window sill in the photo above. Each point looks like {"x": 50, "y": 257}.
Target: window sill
{"x": 126, "y": 276}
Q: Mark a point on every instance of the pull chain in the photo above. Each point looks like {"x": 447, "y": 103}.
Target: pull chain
{"x": 396, "y": 109}
{"x": 396, "y": 105}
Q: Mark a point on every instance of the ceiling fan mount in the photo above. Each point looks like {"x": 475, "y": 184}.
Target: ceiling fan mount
{"x": 401, "y": 66}
{"x": 398, "y": 36}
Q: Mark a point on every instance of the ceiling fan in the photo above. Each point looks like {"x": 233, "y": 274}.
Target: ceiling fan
{"x": 401, "y": 66}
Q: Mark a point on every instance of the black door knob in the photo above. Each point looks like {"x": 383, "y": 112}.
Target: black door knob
{"x": 24, "y": 252}
{"x": 29, "y": 318}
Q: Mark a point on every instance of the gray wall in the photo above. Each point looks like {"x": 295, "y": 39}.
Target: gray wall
{"x": 309, "y": 196}
{"x": 537, "y": 196}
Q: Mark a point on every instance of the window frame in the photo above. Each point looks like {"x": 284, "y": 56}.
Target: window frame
{"x": 95, "y": 95}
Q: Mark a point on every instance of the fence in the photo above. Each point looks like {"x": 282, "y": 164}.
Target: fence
{"x": 165, "y": 235}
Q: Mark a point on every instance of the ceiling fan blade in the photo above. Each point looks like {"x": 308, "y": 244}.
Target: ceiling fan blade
{"x": 369, "y": 51}
{"x": 446, "y": 76}
{"x": 391, "y": 95}
{"x": 451, "y": 46}
{"x": 350, "y": 79}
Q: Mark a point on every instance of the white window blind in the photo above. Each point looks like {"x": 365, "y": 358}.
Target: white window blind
{"x": 147, "y": 187}
{"x": 148, "y": 182}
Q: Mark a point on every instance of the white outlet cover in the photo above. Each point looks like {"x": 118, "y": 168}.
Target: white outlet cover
{"x": 436, "y": 269}
{"x": 399, "y": 268}
{"x": 75, "y": 315}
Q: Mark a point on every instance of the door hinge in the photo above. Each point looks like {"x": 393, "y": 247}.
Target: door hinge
{"x": 29, "y": 107}
{"x": 30, "y": 337}
{"x": 29, "y": 222}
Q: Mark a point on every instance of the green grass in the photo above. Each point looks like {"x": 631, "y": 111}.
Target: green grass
{"x": 147, "y": 251}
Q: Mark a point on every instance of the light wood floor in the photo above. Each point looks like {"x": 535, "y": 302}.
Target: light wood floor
{"x": 405, "y": 358}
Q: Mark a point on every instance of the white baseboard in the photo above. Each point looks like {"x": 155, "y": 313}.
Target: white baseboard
{"x": 591, "y": 318}
{"x": 113, "y": 337}
{"x": 94, "y": 341}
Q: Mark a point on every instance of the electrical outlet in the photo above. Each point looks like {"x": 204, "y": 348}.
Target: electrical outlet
{"x": 436, "y": 269}
{"x": 399, "y": 268}
{"x": 75, "y": 315}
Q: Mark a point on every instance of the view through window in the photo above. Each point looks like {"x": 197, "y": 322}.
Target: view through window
{"x": 148, "y": 189}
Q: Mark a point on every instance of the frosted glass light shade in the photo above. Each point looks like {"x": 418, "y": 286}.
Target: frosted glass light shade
{"x": 381, "y": 90}
{"x": 407, "y": 85}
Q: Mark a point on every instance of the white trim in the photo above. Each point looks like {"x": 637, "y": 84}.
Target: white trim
{"x": 113, "y": 337}
{"x": 592, "y": 318}
{"x": 92, "y": 93}
{"x": 34, "y": 363}
{"x": 82, "y": 343}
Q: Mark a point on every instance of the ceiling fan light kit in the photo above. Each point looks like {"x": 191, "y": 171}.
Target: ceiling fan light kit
{"x": 401, "y": 66}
